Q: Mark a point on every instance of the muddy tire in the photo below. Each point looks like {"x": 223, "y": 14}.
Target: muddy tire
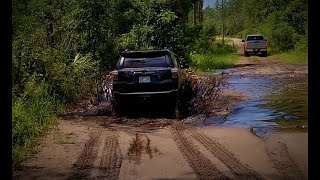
{"x": 170, "y": 109}
{"x": 246, "y": 54}
{"x": 116, "y": 107}
{"x": 182, "y": 102}
{"x": 265, "y": 54}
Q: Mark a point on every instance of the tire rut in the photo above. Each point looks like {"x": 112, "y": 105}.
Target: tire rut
{"x": 238, "y": 169}
{"x": 84, "y": 164}
{"x": 201, "y": 165}
{"x": 111, "y": 157}
{"x": 283, "y": 162}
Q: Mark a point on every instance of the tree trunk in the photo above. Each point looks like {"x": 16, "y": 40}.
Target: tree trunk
{"x": 200, "y": 2}
{"x": 49, "y": 28}
{"x": 222, "y": 8}
{"x": 195, "y": 12}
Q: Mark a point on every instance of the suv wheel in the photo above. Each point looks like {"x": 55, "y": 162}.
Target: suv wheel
{"x": 265, "y": 54}
{"x": 116, "y": 106}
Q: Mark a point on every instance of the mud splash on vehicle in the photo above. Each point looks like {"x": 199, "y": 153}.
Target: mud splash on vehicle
{"x": 198, "y": 98}
{"x": 202, "y": 93}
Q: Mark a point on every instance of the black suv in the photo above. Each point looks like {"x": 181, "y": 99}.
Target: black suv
{"x": 145, "y": 76}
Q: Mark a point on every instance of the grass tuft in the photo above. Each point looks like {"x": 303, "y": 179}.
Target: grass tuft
{"x": 292, "y": 57}
{"x": 208, "y": 62}
{"x": 31, "y": 118}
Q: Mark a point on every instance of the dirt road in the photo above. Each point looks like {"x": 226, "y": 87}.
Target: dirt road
{"x": 105, "y": 147}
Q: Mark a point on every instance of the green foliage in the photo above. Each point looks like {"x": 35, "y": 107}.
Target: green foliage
{"x": 208, "y": 55}
{"x": 302, "y": 45}
{"x": 204, "y": 46}
{"x": 33, "y": 113}
{"x": 210, "y": 61}
{"x": 293, "y": 57}
{"x": 60, "y": 47}
{"x": 284, "y": 23}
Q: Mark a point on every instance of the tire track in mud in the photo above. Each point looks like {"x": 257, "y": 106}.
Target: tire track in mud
{"x": 238, "y": 169}
{"x": 111, "y": 159}
{"x": 201, "y": 165}
{"x": 283, "y": 162}
{"x": 84, "y": 164}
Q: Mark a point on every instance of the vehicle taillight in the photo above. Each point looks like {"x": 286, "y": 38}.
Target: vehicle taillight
{"x": 246, "y": 45}
{"x": 114, "y": 75}
{"x": 174, "y": 72}
{"x": 266, "y": 44}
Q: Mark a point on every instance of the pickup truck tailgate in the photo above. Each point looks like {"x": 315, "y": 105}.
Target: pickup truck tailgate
{"x": 256, "y": 44}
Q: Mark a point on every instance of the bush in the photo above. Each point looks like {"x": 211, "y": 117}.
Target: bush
{"x": 301, "y": 45}
{"x": 33, "y": 113}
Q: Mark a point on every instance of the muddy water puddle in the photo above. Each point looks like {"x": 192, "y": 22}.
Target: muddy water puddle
{"x": 272, "y": 103}
{"x": 140, "y": 145}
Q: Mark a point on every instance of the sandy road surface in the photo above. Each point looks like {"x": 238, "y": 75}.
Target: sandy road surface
{"x": 93, "y": 150}
{"x": 104, "y": 147}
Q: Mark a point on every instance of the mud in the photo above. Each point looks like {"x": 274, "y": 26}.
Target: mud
{"x": 139, "y": 145}
{"x": 283, "y": 162}
{"x": 238, "y": 169}
{"x": 110, "y": 157}
{"x": 201, "y": 165}
{"x": 84, "y": 164}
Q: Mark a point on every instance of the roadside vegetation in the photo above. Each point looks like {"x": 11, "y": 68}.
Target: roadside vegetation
{"x": 293, "y": 57}
{"x": 60, "y": 48}
{"x": 210, "y": 55}
{"x": 284, "y": 24}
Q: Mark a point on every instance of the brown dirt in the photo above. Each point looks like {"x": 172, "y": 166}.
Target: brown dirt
{"x": 239, "y": 170}
{"x": 201, "y": 165}
{"x": 105, "y": 149}
{"x": 110, "y": 159}
{"x": 264, "y": 66}
{"x": 286, "y": 162}
{"x": 84, "y": 164}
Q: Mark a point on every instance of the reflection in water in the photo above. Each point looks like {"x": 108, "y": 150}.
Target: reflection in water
{"x": 272, "y": 102}
{"x": 291, "y": 97}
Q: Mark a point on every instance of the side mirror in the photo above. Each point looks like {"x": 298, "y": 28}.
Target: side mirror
{"x": 265, "y": 40}
{"x": 183, "y": 64}
{"x": 242, "y": 40}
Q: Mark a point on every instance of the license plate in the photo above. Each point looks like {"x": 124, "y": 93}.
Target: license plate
{"x": 144, "y": 79}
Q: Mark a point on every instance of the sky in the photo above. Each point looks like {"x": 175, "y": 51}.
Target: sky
{"x": 208, "y": 2}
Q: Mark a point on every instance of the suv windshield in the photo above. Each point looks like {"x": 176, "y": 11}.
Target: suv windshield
{"x": 250, "y": 38}
{"x": 162, "y": 61}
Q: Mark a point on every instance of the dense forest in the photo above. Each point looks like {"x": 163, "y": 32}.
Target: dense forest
{"x": 59, "y": 47}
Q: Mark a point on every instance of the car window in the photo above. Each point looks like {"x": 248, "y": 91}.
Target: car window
{"x": 162, "y": 61}
{"x": 174, "y": 59}
{"x": 251, "y": 38}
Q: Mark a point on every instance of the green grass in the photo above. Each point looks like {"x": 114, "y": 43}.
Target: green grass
{"x": 31, "y": 119}
{"x": 208, "y": 62}
{"x": 292, "y": 57}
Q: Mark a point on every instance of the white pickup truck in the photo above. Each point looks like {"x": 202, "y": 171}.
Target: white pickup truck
{"x": 255, "y": 44}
